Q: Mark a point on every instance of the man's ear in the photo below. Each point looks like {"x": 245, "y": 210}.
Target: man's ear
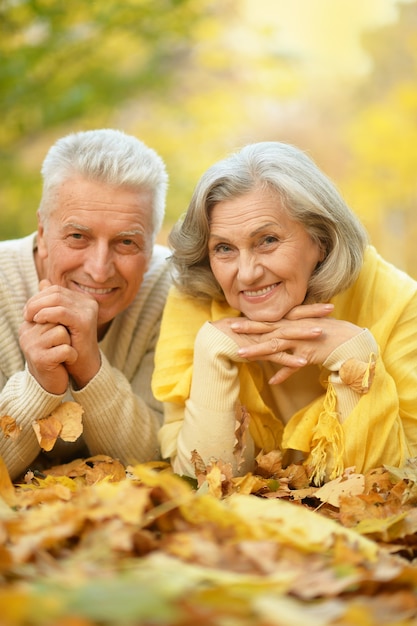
{"x": 42, "y": 251}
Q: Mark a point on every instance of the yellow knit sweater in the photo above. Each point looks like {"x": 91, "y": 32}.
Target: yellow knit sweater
{"x": 200, "y": 379}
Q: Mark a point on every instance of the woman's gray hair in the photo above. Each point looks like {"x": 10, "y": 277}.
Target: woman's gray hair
{"x": 109, "y": 156}
{"x": 303, "y": 190}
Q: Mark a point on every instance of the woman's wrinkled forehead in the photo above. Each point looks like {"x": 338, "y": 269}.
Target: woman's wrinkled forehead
{"x": 223, "y": 193}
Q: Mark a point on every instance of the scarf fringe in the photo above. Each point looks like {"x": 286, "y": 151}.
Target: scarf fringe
{"x": 327, "y": 443}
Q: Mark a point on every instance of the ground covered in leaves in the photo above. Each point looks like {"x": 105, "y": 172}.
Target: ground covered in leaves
{"x": 94, "y": 543}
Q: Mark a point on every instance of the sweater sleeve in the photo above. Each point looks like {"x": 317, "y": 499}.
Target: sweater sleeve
{"x": 24, "y": 400}
{"x": 120, "y": 417}
{"x": 361, "y": 349}
{"x": 207, "y": 422}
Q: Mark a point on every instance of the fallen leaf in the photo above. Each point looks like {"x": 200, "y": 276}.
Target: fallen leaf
{"x": 241, "y": 431}
{"x": 70, "y": 416}
{"x": 331, "y": 492}
{"x": 64, "y": 422}
{"x": 7, "y": 489}
{"x": 9, "y": 427}
{"x": 269, "y": 464}
{"x": 47, "y": 430}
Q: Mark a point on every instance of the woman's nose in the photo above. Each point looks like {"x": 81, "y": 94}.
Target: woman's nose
{"x": 249, "y": 267}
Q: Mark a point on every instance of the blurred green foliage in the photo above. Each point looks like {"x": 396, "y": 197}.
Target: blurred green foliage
{"x": 68, "y": 66}
{"x": 195, "y": 79}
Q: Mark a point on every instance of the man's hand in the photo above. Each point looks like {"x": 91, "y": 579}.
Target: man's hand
{"x": 59, "y": 307}
{"x": 47, "y": 349}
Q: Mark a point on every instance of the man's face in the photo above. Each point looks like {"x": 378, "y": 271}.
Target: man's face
{"x": 97, "y": 240}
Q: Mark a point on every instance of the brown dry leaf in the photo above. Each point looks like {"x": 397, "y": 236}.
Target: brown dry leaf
{"x": 242, "y": 420}
{"x": 346, "y": 485}
{"x": 378, "y": 480}
{"x": 45, "y": 491}
{"x": 9, "y": 427}
{"x": 297, "y": 476}
{"x": 200, "y": 469}
{"x": 269, "y": 464}
{"x": 70, "y": 416}
{"x": 64, "y": 422}
{"x": 103, "y": 467}
{"x": 47, "y": 430}
{"x": 91, "y": 470}
{"x": 125, "y": 500}
{"x": 302, "y": 494}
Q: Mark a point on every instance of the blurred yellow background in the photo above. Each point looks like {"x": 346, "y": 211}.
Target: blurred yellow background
{"x": 196, "y": 79}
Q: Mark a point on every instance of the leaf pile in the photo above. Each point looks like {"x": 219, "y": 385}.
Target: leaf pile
{"x": 93, "y": 543}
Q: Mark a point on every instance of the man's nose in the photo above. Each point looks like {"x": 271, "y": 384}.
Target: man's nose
{"x": 100, "y": 263}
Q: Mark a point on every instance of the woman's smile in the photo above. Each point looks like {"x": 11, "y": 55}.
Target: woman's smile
{"x": 262, "y": 291}
{"x": 261, "y": 258}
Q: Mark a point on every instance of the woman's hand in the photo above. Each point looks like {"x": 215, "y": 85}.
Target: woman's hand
{"x": 307, "y": 335}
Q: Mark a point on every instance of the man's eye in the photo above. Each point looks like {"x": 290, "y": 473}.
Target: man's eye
{"x": 76, "y": 236}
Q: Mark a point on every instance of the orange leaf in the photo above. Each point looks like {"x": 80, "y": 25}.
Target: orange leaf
{"x": 9, "y": 427}
{"x": 64, "y": 422}
{"x": 47, "y": 430}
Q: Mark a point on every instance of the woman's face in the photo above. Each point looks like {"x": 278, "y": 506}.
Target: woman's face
{"x": 261, "y": 258}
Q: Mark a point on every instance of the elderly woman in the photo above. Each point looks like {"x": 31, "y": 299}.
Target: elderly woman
{"x": 284, "y": 317}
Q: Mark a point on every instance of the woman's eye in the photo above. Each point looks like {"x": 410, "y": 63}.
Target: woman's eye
{"x": 270, "y": 239}
{"x": 222, "y": 248}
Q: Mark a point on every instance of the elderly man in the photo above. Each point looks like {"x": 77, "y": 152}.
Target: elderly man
{"x": 81, "y": 302}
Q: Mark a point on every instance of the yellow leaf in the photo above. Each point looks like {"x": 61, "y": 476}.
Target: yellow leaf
{"x": 214, "y": 480}
{"x": 378, "y": 526}
{"x": 173, "y": 486}
{"x": 7, "y": 490}
{"x": 249, "y": 483}
{"x": 296, "y": 525}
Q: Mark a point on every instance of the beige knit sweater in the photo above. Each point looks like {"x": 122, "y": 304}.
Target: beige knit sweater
{"x": 121, "y": 416}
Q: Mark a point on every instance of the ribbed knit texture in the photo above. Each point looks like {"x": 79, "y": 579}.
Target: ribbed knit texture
{"x": 121, "y": 416}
